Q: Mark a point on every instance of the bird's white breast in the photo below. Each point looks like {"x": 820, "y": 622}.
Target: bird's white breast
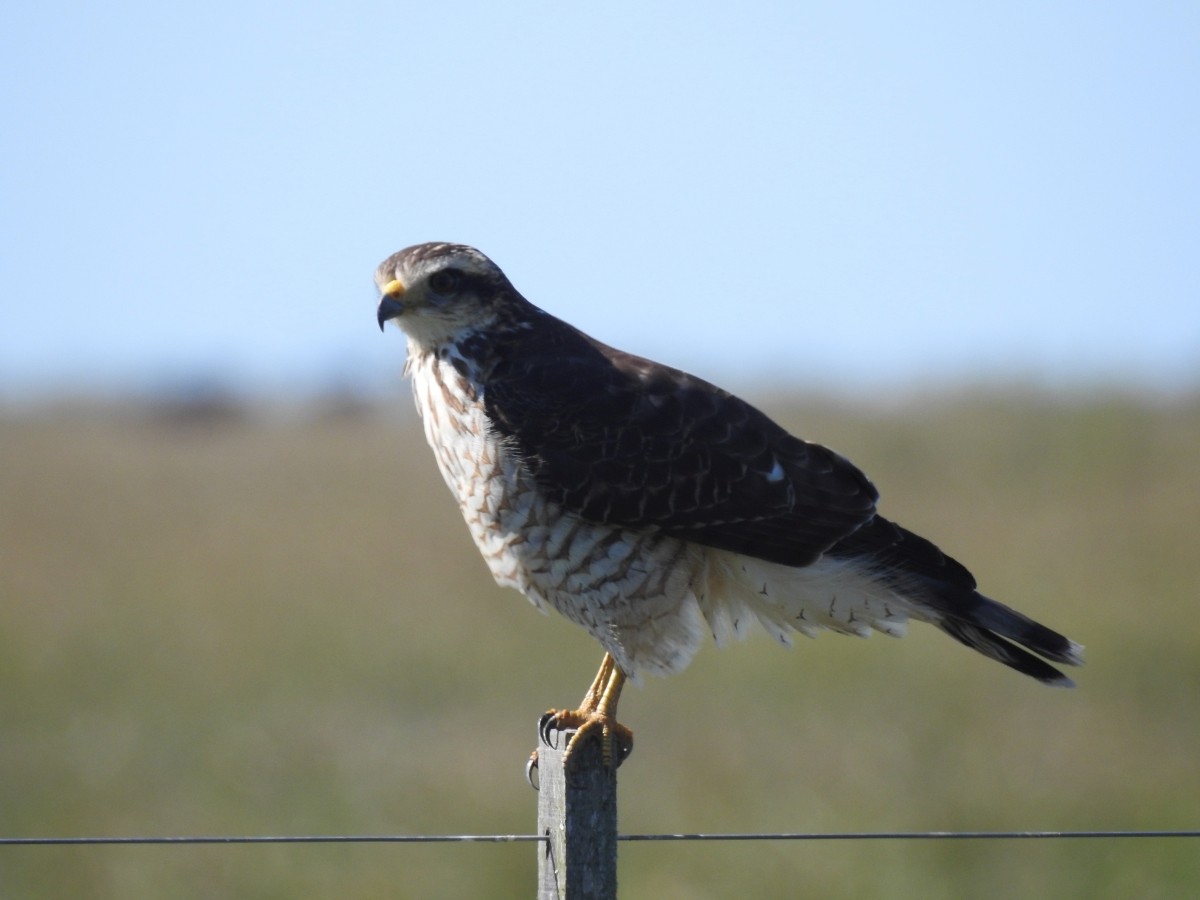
{"x": 631, "y": 589}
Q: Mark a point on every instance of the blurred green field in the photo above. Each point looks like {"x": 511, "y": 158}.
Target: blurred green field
{"x": 237, "y": 624}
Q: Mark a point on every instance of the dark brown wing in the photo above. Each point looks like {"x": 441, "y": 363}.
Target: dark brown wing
{"x": 620, "y": 439}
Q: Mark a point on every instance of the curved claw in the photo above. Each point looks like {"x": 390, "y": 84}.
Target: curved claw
{"x": 623, "y": 749}
{"x": 531, "y": 769}
{"x": 546, "y": 726}
{"x": 616, "y": 741}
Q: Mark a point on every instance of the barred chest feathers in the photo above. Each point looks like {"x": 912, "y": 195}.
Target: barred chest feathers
{"x": 634, "y": 591}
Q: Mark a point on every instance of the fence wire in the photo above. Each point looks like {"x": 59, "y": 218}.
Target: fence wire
{"x": 533, "y": 838}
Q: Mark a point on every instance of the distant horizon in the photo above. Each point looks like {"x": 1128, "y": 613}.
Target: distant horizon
{"x": 214, "y": 388}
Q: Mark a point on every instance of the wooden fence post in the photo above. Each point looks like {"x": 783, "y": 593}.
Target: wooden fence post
{"x": 577, "y": 813}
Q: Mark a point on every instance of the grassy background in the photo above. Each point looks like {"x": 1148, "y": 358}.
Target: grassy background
{"x": 243, "y": 625}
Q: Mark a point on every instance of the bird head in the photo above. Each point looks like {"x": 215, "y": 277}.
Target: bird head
{"x": 437, "y": 291}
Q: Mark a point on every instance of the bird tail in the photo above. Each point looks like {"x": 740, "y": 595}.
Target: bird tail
{"x": 1006, "y": 636}
{"x": 940, "y": 590}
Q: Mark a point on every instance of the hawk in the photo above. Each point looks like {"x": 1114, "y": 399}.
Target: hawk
{"x": 651, "y": 507}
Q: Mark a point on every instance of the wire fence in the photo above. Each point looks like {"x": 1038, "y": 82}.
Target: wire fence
{"x": 534, "y": 838}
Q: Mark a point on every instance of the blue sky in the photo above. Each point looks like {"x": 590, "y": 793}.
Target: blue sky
{"x": 861, "y": 195}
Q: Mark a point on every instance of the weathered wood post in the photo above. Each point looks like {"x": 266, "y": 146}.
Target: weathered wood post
{"x": 577, "y": 813}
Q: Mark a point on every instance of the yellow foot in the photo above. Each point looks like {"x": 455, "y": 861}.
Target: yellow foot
{"x": 616, "y": 741}
{"x": 595, "y": 718}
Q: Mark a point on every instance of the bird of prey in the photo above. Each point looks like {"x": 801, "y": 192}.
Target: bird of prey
{"x": 654, "y": 508}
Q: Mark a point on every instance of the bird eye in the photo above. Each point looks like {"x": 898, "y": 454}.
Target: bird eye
{"x": 445, "y": 281}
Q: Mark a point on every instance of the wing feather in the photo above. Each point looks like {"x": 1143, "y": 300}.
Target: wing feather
{"x": 620, "y": 439}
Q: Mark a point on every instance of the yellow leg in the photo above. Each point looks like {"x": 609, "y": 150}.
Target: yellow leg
{"x": 592, "y": 698}
{"x": 597, "y": 712}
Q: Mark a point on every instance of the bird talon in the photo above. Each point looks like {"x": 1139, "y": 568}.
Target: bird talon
{"x": 625, "y": 748}
{"x": 616, "y": 741}
{"x": 547, "y": 725}
{"x": 597, "y": 713}
{"x": 531, "y": 769}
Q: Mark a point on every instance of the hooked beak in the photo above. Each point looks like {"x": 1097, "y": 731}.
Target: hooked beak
{"x": 391, "y": 304}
